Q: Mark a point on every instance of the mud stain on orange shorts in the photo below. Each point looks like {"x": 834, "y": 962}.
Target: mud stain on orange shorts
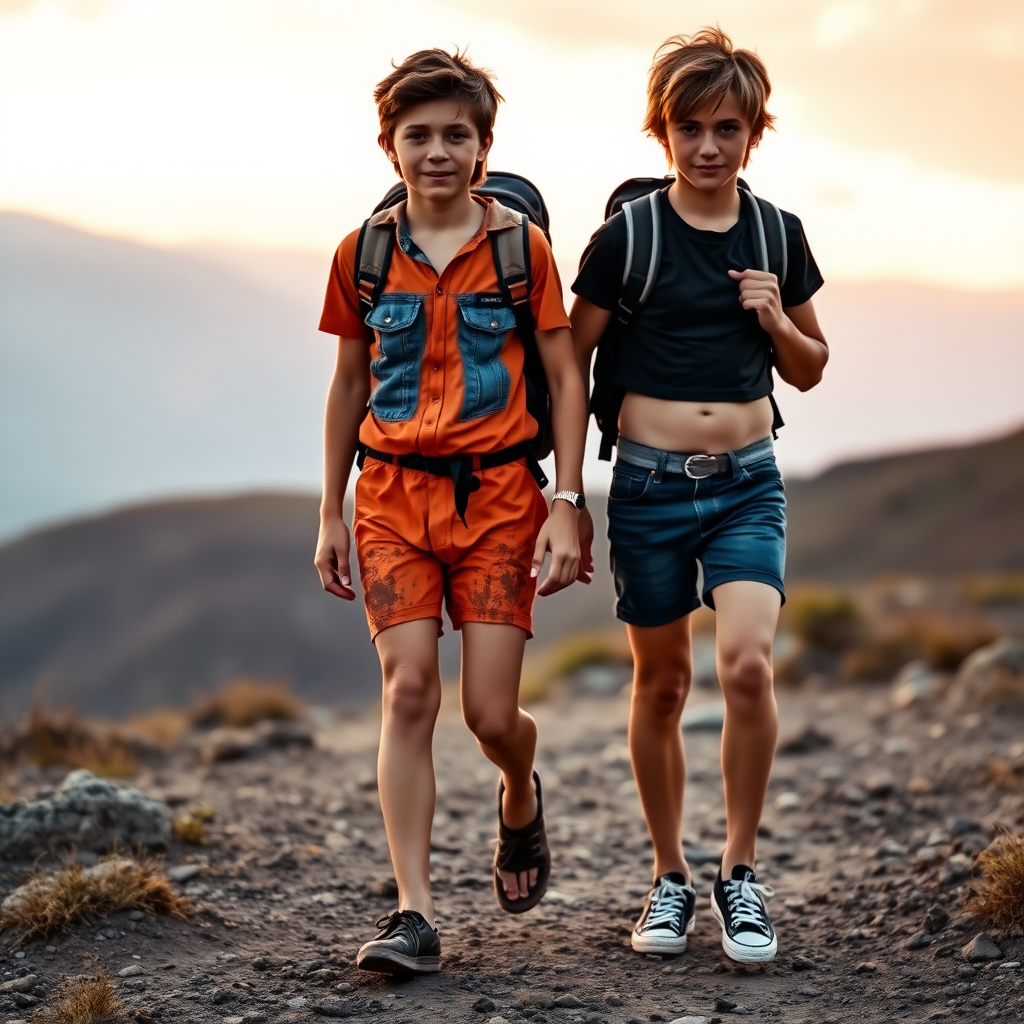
{"x": 383, "y": 594}
{"x": 499, "y": 594}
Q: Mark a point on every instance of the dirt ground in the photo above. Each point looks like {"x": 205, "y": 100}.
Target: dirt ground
{"x": 869, "y": 817}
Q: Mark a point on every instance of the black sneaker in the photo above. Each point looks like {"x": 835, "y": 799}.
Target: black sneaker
{"x": 406, "y": 945}
{"x": 747, "y": 934}
{"x": 667, "y": 918}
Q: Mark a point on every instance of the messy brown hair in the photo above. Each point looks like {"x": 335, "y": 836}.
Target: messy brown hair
{"x": 430, "y": 75}
{"x": 691, "y": 71}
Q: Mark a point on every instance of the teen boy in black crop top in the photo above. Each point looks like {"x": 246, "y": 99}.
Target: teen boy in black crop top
{"x": 695, "y": 475}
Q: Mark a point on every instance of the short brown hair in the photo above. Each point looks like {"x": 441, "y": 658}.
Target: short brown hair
{"x": 429, "y": 75}
{"x": 691, "y": 71}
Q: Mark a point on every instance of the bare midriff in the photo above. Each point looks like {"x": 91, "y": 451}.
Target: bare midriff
{"x": 706, "y": 427}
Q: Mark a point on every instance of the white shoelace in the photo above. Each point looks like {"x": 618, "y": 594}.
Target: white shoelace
{"x": 668, "y": 905}
{"x": 746, "y": 905}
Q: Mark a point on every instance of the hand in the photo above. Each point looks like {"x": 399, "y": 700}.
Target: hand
{"x": 559, "y": 536}
{"x": 331, "y": 558}
{"x": 760, "y": 291}
{"x": 585, "y": 530}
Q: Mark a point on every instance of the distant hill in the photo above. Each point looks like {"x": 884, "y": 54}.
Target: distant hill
{"x": 155, "y": 604}
{"x": 952, "y": 510}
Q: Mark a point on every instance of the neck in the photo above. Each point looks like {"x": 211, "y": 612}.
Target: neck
{"x": 705, "y": 204}
{"x": 430, "y": 215}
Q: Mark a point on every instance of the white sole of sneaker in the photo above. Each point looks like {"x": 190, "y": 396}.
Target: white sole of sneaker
{"x": 737, "y": 951}
{"x": 661, "y": 943}
{"x": 389, "y": 962}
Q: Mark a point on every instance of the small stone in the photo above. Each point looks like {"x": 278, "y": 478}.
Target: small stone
{"x": 891, "y": 848}
{"x": 853, "y": 795}
{"x": 981, "y": 948}
{"x": 19, "y": 984}
{"x": 1010, "y": 965}
{"x": 957, "y": 869}
{"x": 184, "y": 872}
{"x": 131, "y": 971}
{"x": 484, "y": 1005}
{"x": 830, "y": 773}
{"x": 915, "y": 683}
{"x": 867, "y": 967}
{"x": 896, "y": 746}
{"x": 335, "y": 1008}
{"x": 613, "y": 999}
{"x": 567, "y": 1001}
{"x": 689, "y": 1020}
{"x": 936, "y": 919}
{"x": 880, "y": 785}
{"x": 928, "y": 856}
{"x": 962, "y": 826}
{"x": 23, "y": 1000}
{"x": 297, "y": 1003}
{"x": 220, "y": 996}
{"x": 233, "y": 1020}
{"x": 325, "y": 899}
{"x": 802, "y": 963}
{"x": 806, "y": 741}
{"x": 723, "y": 1005}
{"x": 519, "y": 970}
{"x": 788, "y": 800}
{"x": 919, "y": 941}
{"x": 498, "y": 1020}
{"x": 137, "y": 915}
{"x": 261, "y": 963}
{"x": 386, "y": 888}
{"x": 704, "y": 719}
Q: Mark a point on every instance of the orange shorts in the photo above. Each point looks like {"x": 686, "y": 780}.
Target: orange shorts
{"x": 413, "y": 549}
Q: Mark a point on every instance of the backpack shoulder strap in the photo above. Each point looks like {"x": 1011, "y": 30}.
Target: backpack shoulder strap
{"x": 373, "y": 257}
{"x": 511, "y": 250}
{"x": 643, "y": 253}
{"x": 769, "y": 233}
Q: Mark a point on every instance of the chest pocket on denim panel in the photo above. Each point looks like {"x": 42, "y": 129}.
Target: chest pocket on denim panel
{"x": 483, "y": 328}
{"x": 400, "y": 325}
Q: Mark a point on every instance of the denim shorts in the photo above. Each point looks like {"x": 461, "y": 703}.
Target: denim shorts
{"x": 661, "y": 525}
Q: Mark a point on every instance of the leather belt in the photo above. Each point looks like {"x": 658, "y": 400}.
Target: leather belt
{"x": 695, "y": 465}
{"x": 459, "y": 467}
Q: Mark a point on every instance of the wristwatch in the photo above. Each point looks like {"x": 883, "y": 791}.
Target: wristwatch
{"x": 574, "y": 499}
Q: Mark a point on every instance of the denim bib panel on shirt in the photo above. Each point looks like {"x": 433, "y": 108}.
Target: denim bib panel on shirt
{"x": 483, "y": 326}
{"x": 400, "y": 325}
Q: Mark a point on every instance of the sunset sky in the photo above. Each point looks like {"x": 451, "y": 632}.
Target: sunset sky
{"x": 251, "y": 122}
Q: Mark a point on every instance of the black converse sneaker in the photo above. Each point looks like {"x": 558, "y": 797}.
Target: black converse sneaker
{"x": 667, "y": 918}
{"x": 747, "y": 934}
{"x": 405, "y": 945}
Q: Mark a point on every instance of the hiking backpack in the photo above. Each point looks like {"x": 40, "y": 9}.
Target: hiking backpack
{"x": 511, "y": 251}
{"x": 638, "y": 201}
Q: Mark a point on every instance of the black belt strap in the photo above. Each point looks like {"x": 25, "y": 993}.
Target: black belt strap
{"x": 459, "y": 467}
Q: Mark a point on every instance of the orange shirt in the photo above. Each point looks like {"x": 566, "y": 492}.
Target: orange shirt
{"x": 446, "y": 360}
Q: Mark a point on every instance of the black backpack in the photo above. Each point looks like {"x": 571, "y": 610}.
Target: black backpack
{"x": 511, "y": 250}
{"x": 638, "y": 201}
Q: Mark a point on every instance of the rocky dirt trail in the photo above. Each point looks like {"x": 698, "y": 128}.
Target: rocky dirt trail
{"x": 873, "y": 818}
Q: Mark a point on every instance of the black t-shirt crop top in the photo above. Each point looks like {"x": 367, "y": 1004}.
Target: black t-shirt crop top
{"x": 693, "y": 341}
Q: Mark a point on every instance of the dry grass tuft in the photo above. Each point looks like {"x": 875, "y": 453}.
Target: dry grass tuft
{"x": 163, "y": 727}
{"x": 48, "y": 738}
{"x": 246, "y": 702}
{"x": 1000, "y": 774}
{"x": 51, "y": 902}
{"x": 82, "y": 1000}
{"x": 822, "y": 617}
{"x": 999, "y": 898}
{"x": 989, "y": 591}
{"x": 191, "y": 827}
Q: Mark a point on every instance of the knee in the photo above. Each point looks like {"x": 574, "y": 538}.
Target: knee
{"x": 746, "y": 677}
{"x": 662, "y": 689}
{"x": 491, "y": 727}
{"x": 410, "y": 697}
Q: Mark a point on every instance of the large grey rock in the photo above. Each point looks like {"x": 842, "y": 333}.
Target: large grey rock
{"x": 991, "y": 675}
{"x": 86, "y": 812}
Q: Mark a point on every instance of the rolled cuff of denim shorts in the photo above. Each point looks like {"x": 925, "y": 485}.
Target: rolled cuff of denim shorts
{"x": 749, "y": 575}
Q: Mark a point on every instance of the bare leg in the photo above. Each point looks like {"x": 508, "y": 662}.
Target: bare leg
{"x": 662, "y": 672}
{"x": 747, "y": 613}
{"x": 492, "y": 661}
{"x": 405, "y": 763}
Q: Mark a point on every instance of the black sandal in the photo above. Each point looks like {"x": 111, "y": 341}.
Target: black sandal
{"x": 522, "y": 849}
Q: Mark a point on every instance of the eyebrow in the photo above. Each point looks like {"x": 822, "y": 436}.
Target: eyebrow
{"x": 723, "y": 121}
{"x": 421, "y": 127}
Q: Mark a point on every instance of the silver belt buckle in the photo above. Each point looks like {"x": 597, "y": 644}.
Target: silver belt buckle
{"x": 696, "y": 467}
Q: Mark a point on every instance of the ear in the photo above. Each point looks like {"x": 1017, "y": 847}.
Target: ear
{"x": 385, "y": 143}
{"x": 485, "y": 147}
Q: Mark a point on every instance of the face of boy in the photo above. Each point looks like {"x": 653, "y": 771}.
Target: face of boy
{"x": 709, "y": 148}
{"x": 437, "y": 149}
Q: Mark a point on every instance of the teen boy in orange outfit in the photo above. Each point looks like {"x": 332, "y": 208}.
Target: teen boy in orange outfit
{"x": 695, "y": 475}
{"x": 446, "y": 368}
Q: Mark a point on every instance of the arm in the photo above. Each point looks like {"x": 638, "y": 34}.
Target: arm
{"x": 588, "y": 324}
{"x": 346, "y": 409}
{"x": 801, "y": 351}
{"x": 559, "y": 534}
